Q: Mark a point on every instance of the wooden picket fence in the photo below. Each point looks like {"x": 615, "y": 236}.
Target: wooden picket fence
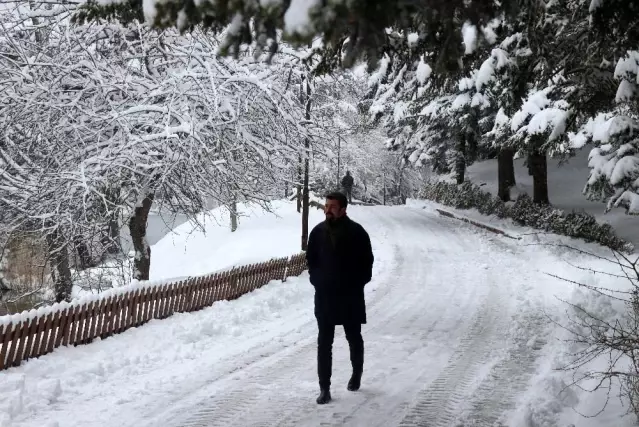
{"x": 29, "y": 335}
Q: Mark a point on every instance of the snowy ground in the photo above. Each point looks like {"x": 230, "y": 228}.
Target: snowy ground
{"x": 459, "y": 334}
{"x": 185, "y": 249}
{"x": 260, "y": 236}
{"x": 565, "y": 186}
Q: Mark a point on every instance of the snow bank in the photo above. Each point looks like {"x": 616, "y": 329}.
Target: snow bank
{"x": 181, "y": 248}
{"x": 183, "y": 343}
{"x": 550, "y": 400}
{"x": 261, "y": 235}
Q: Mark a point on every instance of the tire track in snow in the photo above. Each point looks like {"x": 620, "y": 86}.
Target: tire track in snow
{"x": 389, "y": 311}
{"x": 439, "y": 403}
{"x": 262, "y": 360}
{"x": 413, "y": 318}
{"x": 496, "y": 394}
{"x": 369, "y": 405}
{"x": 425, "y": 320}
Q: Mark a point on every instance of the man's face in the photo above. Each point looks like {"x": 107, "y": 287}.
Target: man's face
{"x": 333, "y": 210}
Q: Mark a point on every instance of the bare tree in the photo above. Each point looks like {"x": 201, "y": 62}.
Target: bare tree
{"x": 612, "y": 340}
{"x": 127, "y": 117}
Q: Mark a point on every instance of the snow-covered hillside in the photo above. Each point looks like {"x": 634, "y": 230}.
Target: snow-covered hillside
{"x": 189, "y": 249}
{"x": 565, "y": 185}
{"x": 261, "y": 235}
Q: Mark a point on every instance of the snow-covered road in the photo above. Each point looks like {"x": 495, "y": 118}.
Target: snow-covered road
{"x": 439, "y": 342}
{"x": 453, "y": 337}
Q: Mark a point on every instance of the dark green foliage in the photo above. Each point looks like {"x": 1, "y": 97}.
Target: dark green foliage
{"x": 616, "y": 26}
{"x": 125, "y": 12}
{"x": 350, "y": 30}
{"x": 527, "y": 213}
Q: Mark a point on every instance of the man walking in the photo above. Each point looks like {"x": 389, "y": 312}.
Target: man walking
{"x": 347, "y": 184}
{"x": 340, "y": 263}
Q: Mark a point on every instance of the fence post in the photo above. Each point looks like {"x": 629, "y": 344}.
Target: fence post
{"x": 286, "y": 268}
{"x": 5, "y": 340}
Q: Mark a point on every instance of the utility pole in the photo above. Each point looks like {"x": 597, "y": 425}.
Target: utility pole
{"x": 384, "y": 183}
{"x": 306, "y": 94}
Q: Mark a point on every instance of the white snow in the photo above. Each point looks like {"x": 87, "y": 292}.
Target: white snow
{"x": 469, "y": 34}
{"x": 400, "y": 110}
{"x": 296, "y": 18}
{"x": 548, "y": 399}
{"x": 377, "y": 76}
{"x": 628, "y": 66}
{"x": 412, "y": 39}
{"x": 423, "y": 71}
{"x": 489, "y": 31}
{"x": 458, "y": 334}
{"x": 499, "y": 59}
{"x": 603, "y": 128}
{"x": 625, "y": 91}
{"x": 260, "y": 236}
{"x": 616, "y": 158}
{"x": 150, "y": 11}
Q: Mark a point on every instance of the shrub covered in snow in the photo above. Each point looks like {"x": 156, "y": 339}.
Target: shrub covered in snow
{"x": 525, "y": 212}
{"x": 464, "y": 196}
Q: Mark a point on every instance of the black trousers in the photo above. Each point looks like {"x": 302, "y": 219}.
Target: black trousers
{"x": 349, "y": 194}
{"x": 325, "y": 350}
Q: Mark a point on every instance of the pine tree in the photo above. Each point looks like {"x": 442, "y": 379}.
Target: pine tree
{"x": 350, "y": 30}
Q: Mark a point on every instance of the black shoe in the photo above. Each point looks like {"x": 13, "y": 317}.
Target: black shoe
{"x": 324, "y": 397}
{"x": 355, "y": 381}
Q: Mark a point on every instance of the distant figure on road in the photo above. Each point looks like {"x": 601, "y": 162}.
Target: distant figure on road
{"x": 347, "y": 184}
{"x": 340, "y": 263}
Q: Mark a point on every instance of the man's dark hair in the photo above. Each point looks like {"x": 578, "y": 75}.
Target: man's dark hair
{"x": 340, "y": 197}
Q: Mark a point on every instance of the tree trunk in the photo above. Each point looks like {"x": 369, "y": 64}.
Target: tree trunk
{"x": 305, "y": 204}
{"x": 114, "y": 235}
{"x": 299, "y": 185}
{"x": 59, "y": 259}
{"x": 137, "y": 228}
{"x": 233, "y": 211}
{"x": 307, "y": 149}
{"x": 84, "y": 256}
{"x": 111, "y": 236}
{"x": 384, "y": 185}
{"x": 529, "y": 165}
{"x": 505, "y": 173}
{"x": 460, "y": 160}
{"x": 539, "y": 168}
{"x": 36, "y": 23}
{"x": 472, "y": 148}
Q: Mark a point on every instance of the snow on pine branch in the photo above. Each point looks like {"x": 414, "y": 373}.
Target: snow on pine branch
{"x": 614, "y": 162}
{"x": 405, "y": 95}
{"x": 543, "y": 113}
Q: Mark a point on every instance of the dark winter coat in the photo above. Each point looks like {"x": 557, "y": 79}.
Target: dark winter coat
{"x": 348, "y": 181}
{"x": 340, "y": 264}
